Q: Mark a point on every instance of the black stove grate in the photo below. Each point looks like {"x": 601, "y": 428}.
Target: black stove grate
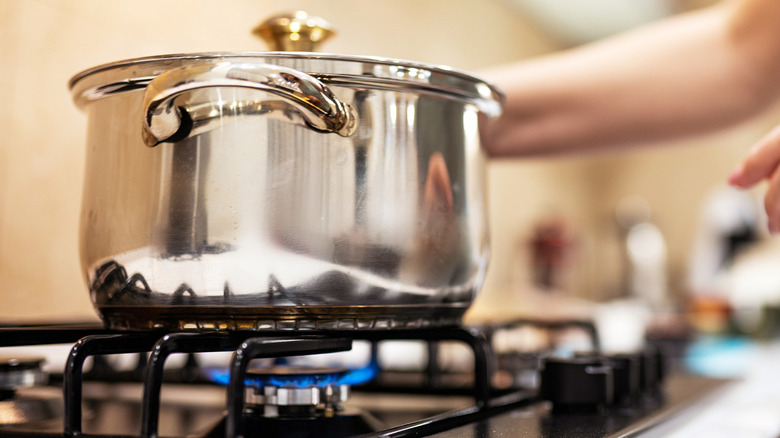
{"x": 248, "y": 345}
{"x": 529, "y": 415}
{"x": 95, "y": 341}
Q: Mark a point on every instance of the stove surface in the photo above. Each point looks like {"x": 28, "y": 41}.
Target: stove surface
{"x": 462, "y": 403}
{"x": 682, "y": 395}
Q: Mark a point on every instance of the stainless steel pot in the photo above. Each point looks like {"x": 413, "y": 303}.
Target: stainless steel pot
{"x": 282, "y": 190}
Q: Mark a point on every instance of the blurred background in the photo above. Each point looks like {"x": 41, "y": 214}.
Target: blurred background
{"x": 656, "y": 225}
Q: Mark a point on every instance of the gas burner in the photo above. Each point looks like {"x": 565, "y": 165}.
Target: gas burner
{"x": 302, "y": 402}
{"x": 20, "y": 372}
{"x": 290, "y": 391}
{"x": 17, "y": 373}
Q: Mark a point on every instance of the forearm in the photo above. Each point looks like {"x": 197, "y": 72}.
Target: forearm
{"x": 688, "y": 75}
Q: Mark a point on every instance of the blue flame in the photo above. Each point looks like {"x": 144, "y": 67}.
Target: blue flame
{"x": 361, "y": 375}
{"x": 221, "y": 376}
{"x": 298, "y": 380}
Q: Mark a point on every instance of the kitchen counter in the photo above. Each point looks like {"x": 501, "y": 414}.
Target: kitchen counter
{"x": 749, "y": 407}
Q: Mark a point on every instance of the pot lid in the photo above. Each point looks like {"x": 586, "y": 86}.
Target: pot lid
{"x": 332, "y": 69}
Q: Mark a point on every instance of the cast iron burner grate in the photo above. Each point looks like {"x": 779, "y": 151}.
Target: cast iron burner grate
{"x": 636, "y": 403}
{"x": 249, "y": 345}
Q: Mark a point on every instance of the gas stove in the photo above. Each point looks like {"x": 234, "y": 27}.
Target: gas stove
{"x": 264, "y": 386}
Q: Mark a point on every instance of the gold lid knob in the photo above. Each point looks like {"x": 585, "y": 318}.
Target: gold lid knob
{"x": 296, "y": 31}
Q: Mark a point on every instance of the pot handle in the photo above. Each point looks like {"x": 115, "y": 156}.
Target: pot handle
{"x": 165, "y": 121}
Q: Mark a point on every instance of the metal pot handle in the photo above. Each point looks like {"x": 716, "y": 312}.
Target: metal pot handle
{"x": 165, "y": 121}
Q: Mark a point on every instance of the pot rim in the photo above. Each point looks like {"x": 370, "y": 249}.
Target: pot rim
{"x": 366, "y": 71}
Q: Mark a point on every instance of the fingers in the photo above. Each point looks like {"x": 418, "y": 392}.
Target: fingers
{"x": 772, "y": 203}
{"x": 763, "y": 162}
{"x": 760, "y": 163}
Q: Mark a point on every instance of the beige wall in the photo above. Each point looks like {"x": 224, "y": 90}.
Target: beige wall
{"x": 44, "y": 42}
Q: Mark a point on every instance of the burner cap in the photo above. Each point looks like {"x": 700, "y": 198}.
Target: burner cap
{"x": 16, "y": 372}
{"x": 295, "y": 391}
{"x": 8, "y": 363}
{"x": 297, "y": 402}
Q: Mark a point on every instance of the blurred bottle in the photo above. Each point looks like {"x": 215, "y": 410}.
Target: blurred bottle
{"x": 728, "y": 224}
{"x": 551, "y": 248}
{"x": 727, "y": 227}
{"x": 644, "y": 252}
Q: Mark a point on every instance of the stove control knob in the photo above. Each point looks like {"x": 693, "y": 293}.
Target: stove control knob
{"x": 652, "y": 371}
{"x": 577, "y": 384}
{"x": 625, "y": 370}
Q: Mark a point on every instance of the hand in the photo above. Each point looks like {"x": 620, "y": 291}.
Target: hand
{"x": 762, "y": 162}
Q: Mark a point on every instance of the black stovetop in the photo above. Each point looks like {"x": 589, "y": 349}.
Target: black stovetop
{"x": 91, "y": 404}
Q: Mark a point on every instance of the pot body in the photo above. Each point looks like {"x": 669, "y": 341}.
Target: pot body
{"x": 255, "y": 219}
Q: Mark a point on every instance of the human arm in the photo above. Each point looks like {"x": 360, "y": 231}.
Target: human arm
{"x": 683, "y": 76}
